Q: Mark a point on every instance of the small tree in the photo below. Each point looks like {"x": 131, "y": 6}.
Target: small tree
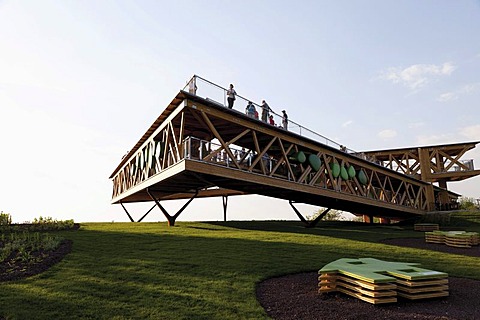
{"x": 467, "y": 203}
{"x": 332, "y": 215}
{"x": 5, "y": 219}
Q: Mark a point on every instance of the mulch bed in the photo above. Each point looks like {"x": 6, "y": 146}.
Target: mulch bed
{"x": 296, "y": 297}
{"x": 19, "y": 269}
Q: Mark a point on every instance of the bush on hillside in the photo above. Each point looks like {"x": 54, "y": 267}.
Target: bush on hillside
{"x": 5, "y": 219}
{"x": 467, "y": 203}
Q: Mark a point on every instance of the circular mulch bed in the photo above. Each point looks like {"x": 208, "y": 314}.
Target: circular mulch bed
{"x": 46, "y": 260}
{"x": 296, "y": 296}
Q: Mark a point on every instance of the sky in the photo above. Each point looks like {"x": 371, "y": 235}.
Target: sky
{"x": 81, "y": 82}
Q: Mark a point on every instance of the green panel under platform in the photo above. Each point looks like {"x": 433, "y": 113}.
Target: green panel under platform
{"x": 298, "y": 157}
{"x": 335, "y": 167}
{"x": 351, "y": 171}
{"x": 314, "y": 162}
{"x": 362, "y": 177}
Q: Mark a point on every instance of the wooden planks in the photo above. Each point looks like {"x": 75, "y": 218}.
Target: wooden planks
{"x": 425, "y": 227}
{"x": 377, "y": 281}
{"x": 460, "y": 239}
{"x": 360, "y": 289}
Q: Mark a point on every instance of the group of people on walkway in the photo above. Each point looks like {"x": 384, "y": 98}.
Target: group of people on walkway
{"x": 250, "y": 109}
{"x": 252, "y": 112}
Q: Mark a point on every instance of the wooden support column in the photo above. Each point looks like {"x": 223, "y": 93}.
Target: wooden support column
{"x": 385, "y": 221}
{"x": 368, "y": 219}
{"x": 443, "y": 198}
{"x": 430, "y": 198}
{"x": 225, "y": 202}
{"x": 128, "y": 214}
{"x": 140, "y": 220}
{"x": 171, "y": 219}
{"x": 425, "y": 169}
{"x": 308, "y": 224}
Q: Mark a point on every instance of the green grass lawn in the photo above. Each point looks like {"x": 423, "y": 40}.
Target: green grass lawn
{"x": 197, "y": 270}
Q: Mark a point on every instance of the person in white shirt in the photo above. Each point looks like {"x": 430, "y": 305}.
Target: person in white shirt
{"x": 192, "y": 86}
{"x": 231, "y": 93}
{"x": 285, "y": 120}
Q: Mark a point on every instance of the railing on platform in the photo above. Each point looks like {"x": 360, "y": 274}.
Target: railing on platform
{"x": 217, "y": 94}
{"x": 197, "y": 149}
{"x": 408, "y": 166}
{"x": 201, "y": 150}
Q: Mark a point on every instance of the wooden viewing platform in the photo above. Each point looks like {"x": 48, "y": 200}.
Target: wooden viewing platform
{"x": 436, "y": 164}
{"x": 199, "y": 148}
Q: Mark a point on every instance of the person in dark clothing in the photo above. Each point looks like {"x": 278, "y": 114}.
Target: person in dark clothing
{"x": 265, "y": 111}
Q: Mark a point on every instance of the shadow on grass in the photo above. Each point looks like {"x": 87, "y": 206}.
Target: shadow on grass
{"x": 193, "y": 271}
{"x": 337, "y": 229}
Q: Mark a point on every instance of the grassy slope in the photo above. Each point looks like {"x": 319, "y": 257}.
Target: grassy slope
{"x": 196, "y": 270}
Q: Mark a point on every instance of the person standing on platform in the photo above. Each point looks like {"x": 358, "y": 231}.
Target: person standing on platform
{"x": 231, "y": 93}
{"x": 285, "y": 120}
{"x": 271, "y": 121}
{"x": 265, "y": 111}
{"x": 192, "y": 86}
{"x": 250, "y": 109}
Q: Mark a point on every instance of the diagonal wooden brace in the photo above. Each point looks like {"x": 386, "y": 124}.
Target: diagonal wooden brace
{"x": 312, "y": 223}
{"x": 140, "y": 220}
{"x": 171, "y": 219}
{"x": 130, "y": 217}
{"x": 128, "y": 214}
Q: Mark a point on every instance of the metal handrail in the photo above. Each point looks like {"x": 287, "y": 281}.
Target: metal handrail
{"x": 293, "y": 126}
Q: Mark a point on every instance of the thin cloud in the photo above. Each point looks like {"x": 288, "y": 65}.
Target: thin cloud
{"x": 454, "y": 95}
{"x": 415, "y": 125}
{"x": 347, "y": 123}
{"x": 447, "y": 96}
{"x": 436, "y": 139}
{"x": 471, "y": 132}
{"x": 418, "y": 75}
{"x": 387, "y": 134}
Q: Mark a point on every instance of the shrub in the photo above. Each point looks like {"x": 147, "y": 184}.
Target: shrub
{"x": 332, "y": 215}
{"x": 22, "y": 245}
{"x": 48, "y": 223}
{"x": 441, "y": 218}
{"x": 5, "y": 219}
{"x": 467, "y": 203}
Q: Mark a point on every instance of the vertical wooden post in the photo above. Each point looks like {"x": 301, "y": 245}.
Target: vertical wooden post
{"x": 225, "y": 202}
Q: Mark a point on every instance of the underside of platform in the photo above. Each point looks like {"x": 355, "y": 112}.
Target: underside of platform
{"x": 194, "y": 175}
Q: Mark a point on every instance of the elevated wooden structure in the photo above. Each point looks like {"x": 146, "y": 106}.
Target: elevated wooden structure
{"x": 435, "y": 164}
{"x": 199, "y": 148}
